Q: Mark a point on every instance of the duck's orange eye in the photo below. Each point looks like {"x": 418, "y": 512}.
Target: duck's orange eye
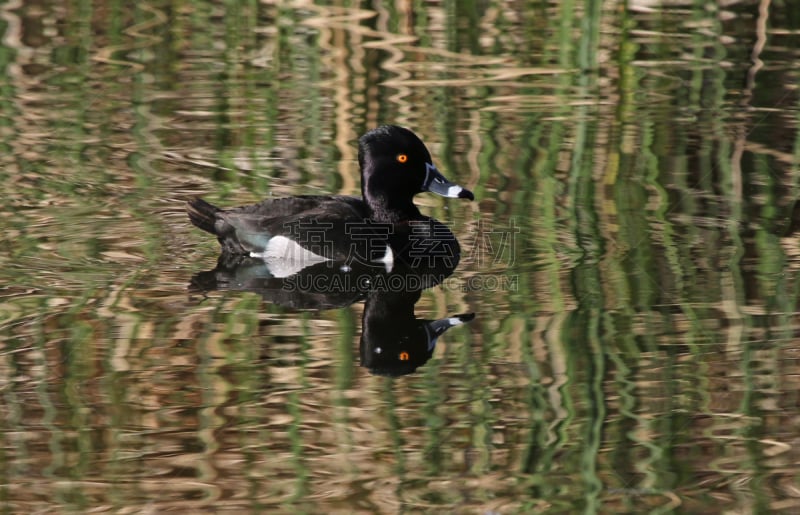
{"x": 402, "y": 158}
{"x": 403, "y": 356}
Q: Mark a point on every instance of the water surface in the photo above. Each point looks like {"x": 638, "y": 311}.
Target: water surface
{"x": 631, "y": 259}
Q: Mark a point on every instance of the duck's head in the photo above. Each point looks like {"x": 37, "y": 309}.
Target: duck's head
{"x": 395, "y": 166}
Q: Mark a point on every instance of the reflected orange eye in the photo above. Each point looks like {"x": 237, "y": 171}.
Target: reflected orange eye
{"x": 404, "y": 356}
{"x": 402, "y": 158}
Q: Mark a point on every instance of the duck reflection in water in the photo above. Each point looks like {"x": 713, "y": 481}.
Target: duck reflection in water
{"x": 327, "y": 251}
{"x": 393, "y": 340}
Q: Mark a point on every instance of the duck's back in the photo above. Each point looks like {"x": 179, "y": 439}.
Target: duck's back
{"x": 343, "y": 206}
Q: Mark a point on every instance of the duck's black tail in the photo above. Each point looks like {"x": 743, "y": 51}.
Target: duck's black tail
{"x": 202, "y": 214}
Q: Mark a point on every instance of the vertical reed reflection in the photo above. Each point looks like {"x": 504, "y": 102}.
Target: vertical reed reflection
{"x": 634, "y": 349}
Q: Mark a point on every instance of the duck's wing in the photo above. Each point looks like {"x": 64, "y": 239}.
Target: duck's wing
{"x": 249, "y": 229}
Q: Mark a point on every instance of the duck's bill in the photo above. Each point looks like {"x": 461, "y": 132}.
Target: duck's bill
{"x": 435, "y": 182}
{"x": 436, "y": 328}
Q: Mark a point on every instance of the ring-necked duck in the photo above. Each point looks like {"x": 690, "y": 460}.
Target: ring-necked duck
{"x": 394, "y": 341}
{"x": 292, "y": 233}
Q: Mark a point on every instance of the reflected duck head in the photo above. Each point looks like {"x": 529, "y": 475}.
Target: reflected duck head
{"x": 394, "y": 342}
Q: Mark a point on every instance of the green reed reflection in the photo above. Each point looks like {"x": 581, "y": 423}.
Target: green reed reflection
{"x": 644, "y": 361}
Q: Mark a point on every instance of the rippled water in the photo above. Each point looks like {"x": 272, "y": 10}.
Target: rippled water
{"x": 631, "y": 259}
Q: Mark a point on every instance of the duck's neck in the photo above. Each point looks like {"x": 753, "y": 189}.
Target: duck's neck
{"x": 393, "y": 212}
{"x": 390, "y": 208}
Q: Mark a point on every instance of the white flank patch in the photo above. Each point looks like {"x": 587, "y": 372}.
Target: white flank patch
{"x": 284, "y": 257}
{"x": 388, "y": 259}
